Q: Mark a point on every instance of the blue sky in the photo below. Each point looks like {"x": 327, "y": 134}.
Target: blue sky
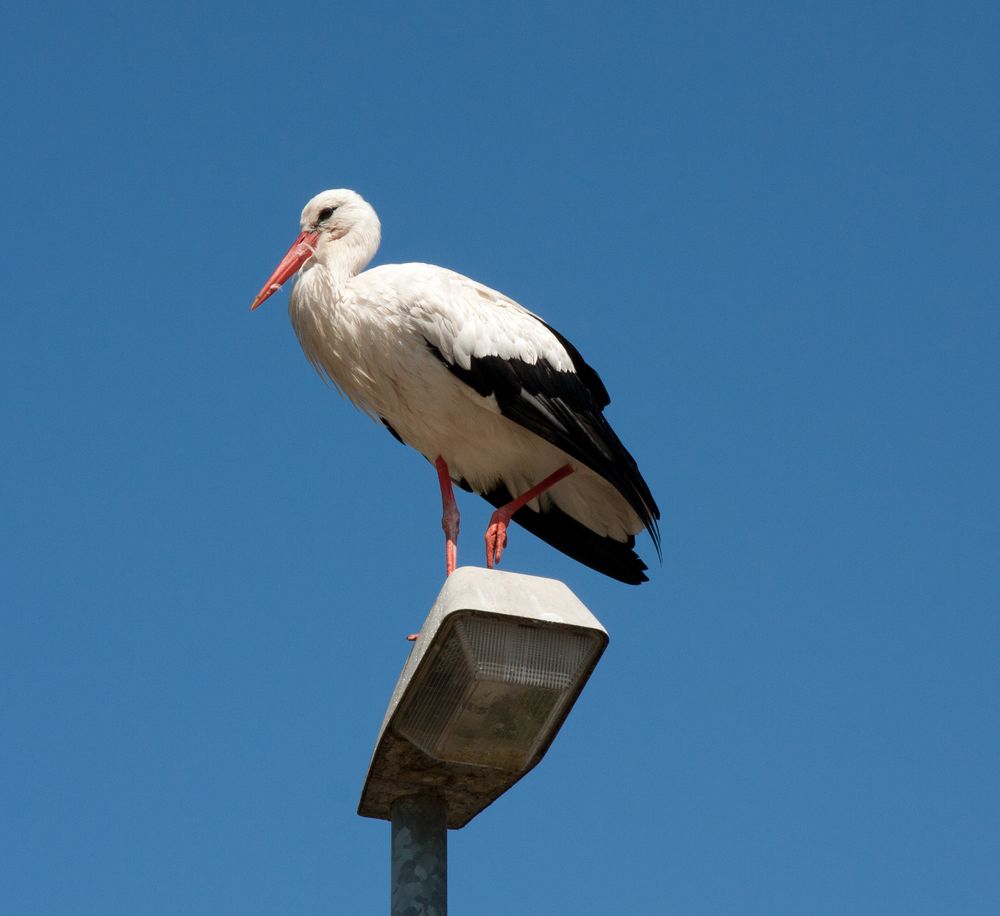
{"x": 773, "y": 228}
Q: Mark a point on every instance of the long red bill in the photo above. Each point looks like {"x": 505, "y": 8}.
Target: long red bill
{"x": 301, "y": 251}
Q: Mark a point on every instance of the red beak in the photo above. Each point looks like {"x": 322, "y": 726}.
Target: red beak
{"x": 301, "y": 251}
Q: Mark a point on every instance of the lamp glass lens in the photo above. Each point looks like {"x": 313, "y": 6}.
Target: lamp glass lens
{"x": 495, "y": 689}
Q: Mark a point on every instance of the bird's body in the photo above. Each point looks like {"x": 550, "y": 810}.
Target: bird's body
{"x": 465, "y": 375}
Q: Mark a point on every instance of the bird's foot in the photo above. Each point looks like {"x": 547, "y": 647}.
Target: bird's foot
{"x": 496, "y": 536}
{"x": 496, "y": 533}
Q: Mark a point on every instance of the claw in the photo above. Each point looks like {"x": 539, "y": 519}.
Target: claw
{"x": 496, "y": 537}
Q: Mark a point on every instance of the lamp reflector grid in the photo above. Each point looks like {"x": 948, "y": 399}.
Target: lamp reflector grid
{"x": 494, "y": 690}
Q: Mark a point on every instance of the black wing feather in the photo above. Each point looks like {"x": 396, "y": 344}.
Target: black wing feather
{"x": 395, "y": 435}
{"x": 588, "y": 375}
{"x": 563, "y": 408}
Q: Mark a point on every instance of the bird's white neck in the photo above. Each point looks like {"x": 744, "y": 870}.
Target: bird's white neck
{"x": 347, "y": 256}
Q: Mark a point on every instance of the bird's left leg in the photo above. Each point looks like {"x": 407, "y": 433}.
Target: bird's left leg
{"x": 449, "y": 521}
{"x": 449, "y": 516}
{"x": 496, "y": 532}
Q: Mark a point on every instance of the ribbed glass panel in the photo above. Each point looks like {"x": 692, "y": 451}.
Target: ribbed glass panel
{"x": 518, "y": 654}
{"x": 493, "y": 691}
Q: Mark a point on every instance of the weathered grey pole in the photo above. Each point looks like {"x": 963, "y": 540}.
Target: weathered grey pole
{"x": 419, "y": 856}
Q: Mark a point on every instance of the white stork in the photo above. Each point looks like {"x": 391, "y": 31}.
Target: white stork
{"x": 498, "y": 401}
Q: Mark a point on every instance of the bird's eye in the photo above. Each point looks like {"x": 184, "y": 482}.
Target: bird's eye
{"x": 326, "y": 213}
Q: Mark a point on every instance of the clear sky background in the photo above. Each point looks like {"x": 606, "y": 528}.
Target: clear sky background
{"x": 773, "y": 229}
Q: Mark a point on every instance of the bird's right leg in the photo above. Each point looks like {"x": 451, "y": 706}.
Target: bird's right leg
{"x": 449, "y": 516}
{"x": 496, "y": 533}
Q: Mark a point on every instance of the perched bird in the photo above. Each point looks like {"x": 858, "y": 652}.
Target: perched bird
{"x": 498, "y": 401}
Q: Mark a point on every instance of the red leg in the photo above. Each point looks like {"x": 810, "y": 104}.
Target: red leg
{"x": 449, "y": 516}
{"x": 496, "y": 532}
{"x": 449, "y": 521}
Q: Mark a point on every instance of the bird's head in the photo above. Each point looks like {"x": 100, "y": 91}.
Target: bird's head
{"x": 338, "y": 226}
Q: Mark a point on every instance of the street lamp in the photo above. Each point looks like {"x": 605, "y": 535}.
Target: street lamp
{"x": 497, "y": 666}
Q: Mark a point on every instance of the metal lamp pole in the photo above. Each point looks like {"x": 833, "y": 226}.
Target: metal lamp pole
{"x": 419, "y": 856}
